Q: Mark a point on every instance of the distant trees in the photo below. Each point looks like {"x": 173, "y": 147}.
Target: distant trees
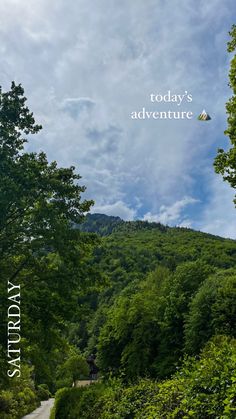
{"x": 144, "y": 330}
{"x": 225, "y": 162}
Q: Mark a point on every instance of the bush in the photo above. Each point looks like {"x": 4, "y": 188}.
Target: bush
{"x": 203, "y": 388}
{"x": 7, "y": 403}
{"x": 119, "y": 402}
{"x": 77, "y": 402}
{"x": 43, "y": 392}
{"x": 21, "y": 398}
{"x": 66, "y": 402}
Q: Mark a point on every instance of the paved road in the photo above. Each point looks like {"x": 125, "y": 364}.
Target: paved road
{"x": 43, "y": 412}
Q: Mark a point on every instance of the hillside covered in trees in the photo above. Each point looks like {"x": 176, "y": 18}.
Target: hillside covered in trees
{"x": 156, "y": 305}
{"x": 164, "y": 311}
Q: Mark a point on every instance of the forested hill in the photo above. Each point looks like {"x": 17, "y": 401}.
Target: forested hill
{"x": 106, "y": 224}
{"x": 140, "y": 246}
{"x": 101, "y": 224}
{"x": 167, "y": 312}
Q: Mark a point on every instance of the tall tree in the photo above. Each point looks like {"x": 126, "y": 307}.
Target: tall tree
{"x": 40, "y": 248}
{"x": 225, "y": 161}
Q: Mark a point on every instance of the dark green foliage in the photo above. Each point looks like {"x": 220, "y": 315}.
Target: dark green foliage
{"x": 139, "y": 321}
{"x": 100, "y": 224}
{"x": 129, "y": 338}
{"x": 39, "y": 247}
{"x": 104, "y": 225}
{"x": 43, "y": 392}
{"x": 20, "y": 398}
{"x": 201, "y": 389}
{"x": 177, "y": 295}
{"x": 127, "y": 255}
{"x": 143, "y": 333}
{"x": 73, "y": 369}
{"x": 212, "y": 311}
{"x": 225, "y": 162}
{"x": 78, "y": 403}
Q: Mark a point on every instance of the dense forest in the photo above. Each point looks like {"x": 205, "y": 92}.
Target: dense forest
{"x": 155, "y": 304}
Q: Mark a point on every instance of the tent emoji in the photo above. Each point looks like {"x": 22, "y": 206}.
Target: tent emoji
{"x": 204, "y": 116}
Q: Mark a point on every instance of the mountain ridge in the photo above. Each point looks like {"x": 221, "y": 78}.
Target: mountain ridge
{"x": 104, "y": 225}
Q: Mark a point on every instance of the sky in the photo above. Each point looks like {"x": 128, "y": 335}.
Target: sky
{"x": 87, "y": 65}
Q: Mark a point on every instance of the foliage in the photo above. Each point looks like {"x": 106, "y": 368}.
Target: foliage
{"x": 225, "y": 162}
{"x": 105, "y": 225}
{"x": 77, "y": 402}
{"x": 43, "y": 392}
{"x": 40, "y": 248}
{"x": 212, "y": 311}
{"x": 130, "y": 334}
{"x": 20, "y": 398}
{"x": 73, "y": 369}
{"x": 143, "y": 333}
{"x": 100, "y": 224}
{"x": 202, "y": 388}
{"x": 128, "y": 255}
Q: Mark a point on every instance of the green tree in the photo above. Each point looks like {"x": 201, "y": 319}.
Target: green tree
{"x": 40, "y": 246}
{"x": 129, "y": 338}
{"x": 39, "y": 200}
{"x": 225, "y": 161}
{"x": 212, "y": 311}
{"x": 73, "y": 369}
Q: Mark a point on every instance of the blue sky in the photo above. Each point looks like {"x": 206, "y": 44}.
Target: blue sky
{"x": 86, "y": 65}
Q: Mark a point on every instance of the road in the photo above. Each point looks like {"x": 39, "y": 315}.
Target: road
{"x": 43, "y": 412}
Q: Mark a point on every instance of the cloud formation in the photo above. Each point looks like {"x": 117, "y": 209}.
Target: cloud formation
{"x": 118, "y": 209}
{"x": 172, "y": 214}
{"x": 86, "y": 66}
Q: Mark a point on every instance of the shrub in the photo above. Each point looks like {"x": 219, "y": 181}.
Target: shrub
{"x": 7, "y": 404}
{"x": 43, "y": 392}
{"x": 202, "y": 388}
{"x": 20, "y": 398}
{"x": 66, "y": 401}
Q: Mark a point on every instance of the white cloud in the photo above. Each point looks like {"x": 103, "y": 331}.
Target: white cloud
{"x": 85, "y": 69}
{"x": 171, "y": 214}
{"x": 185, "y": 223}
{"x": 219, "y": 215}
{"x": 118, "y": 209}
